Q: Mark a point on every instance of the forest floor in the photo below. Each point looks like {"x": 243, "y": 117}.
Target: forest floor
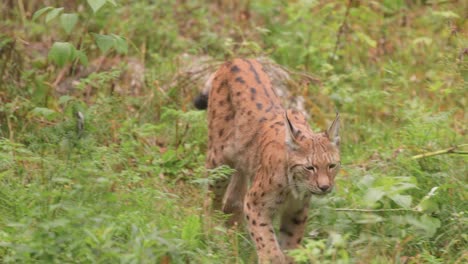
{"x": 102, "y": 153}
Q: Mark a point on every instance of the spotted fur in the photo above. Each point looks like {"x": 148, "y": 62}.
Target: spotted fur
{"x": 279, "y": 161}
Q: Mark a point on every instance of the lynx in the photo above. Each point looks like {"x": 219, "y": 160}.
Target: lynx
{"x": 279, "y": 162}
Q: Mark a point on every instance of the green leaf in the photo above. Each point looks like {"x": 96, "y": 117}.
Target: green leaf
{"x": 428, "y": 206}
{"x": 191, "y": 231}
{"x": 96, "y": 4}
{"x": 169, "y": 156}
{"x": 430, "y": 224}
{"x": 41, "y": 11}
{"x": 61, "y": 53}
{"x": 46, "y": 113}
{"x": 402, "y": 200}
{"x": 82, "y": 57}
{"x": 65, "y": 99}
{"x": 428, "y": 203}
{"x": 104, "y": 42}
{"x": 373, "y": 195}
{"x": 426, "y": 225}
{"x": 120, "y": 44}
{"x": 53, "y": 14}
{"x": 68, "y": 21}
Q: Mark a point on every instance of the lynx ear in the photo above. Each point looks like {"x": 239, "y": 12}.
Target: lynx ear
{"x": 333, "y": 130}
{"x": 291, "y": 133}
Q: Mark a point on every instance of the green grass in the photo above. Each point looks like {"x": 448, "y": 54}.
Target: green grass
{"x": 130, "y": 185}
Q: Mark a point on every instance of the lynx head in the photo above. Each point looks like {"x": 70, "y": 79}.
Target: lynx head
{"x": 313, "y": 158}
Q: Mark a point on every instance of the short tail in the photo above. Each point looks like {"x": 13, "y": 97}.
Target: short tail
{"x": 201, "y": 101}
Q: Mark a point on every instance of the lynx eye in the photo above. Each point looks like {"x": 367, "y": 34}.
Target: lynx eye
{"x": 310, "y": 168}
{"x": 332, "y": 166}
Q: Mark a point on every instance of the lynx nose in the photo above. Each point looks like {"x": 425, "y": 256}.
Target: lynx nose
{"x": 324, "y": 188}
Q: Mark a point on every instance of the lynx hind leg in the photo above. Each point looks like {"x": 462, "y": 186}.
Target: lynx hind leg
{"x": 228, "y": 193}
{"x": 233, "y": 202}
{"x": 218, "y": 187}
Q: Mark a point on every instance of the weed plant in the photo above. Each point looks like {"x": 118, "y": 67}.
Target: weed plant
{"x": 93, "y": 174}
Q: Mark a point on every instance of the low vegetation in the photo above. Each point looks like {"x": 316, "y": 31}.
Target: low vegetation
{"x": 102, "y": 154}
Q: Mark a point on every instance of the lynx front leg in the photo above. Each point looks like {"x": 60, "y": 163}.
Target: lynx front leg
{"x": 258, "y": 212}
{"x": 293, "y": 223}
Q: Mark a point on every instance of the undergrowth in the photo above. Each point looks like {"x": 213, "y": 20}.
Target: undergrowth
{"x": 102, "y": 155}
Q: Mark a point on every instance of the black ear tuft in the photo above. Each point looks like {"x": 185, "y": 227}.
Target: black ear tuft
{"x": 201, "y": 101}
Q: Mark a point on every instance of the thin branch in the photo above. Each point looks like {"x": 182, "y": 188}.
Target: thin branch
{"x": 22, "y": 12}
{"x": 341, "y": 29}
{"x": 375, "y": 210}
{"x": 443, "y": 151}
{"x": 305, "y": 75}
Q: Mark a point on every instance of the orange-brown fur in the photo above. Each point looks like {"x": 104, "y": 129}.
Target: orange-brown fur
{"x": 279, "y": 161}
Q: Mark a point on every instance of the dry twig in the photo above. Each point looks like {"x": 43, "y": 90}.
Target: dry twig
{"x": 451, "y": 150}
{"x": 341, "y": 29}
{"x": 356, "y": 210}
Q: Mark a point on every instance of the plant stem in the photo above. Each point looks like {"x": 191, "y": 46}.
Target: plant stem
{"x": 440, "y": 152}
{"x": 341, "y": 29}
{"x": 22, "y": 13}
{"x": 374, "y": 210}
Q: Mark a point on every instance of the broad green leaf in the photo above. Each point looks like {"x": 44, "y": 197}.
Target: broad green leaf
{"x": 96, "y": 4}
{"x": 120, "y": 44}
{"x": 428, "y": 206}
{"x": 427, "y": 225}
{"x": 82, "y": 57}
{"x": 61, "y": 53}
{"x": 373, "y": 195}
{"x": 366, "y": 181}
{"x": 41, "y": 11}
{"x": 68, "y": 21}
{"x": 46, "y": 113}
{"x": 430, "y": 224}
{"x": 402, "y": 200}
{"x": 53, "y": 14}
{"x": 104, "y": 42}
{"x": 169, "y": 156}
{"x": 64, "y": 99}
{"x": 428, "y": 203}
